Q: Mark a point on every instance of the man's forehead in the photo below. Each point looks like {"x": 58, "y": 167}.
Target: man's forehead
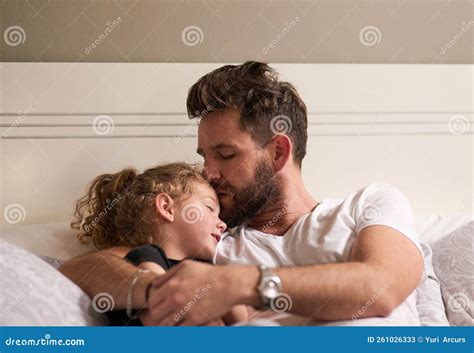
{"x": 220, "y": 120}
{"x": 204, "y": 148}
{"x": 220, "y": 130}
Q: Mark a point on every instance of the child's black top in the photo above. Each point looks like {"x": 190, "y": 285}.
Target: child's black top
{"x": 148, "y": 252}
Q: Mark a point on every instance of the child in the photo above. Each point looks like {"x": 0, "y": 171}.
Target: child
{"x": 168, "y": 213}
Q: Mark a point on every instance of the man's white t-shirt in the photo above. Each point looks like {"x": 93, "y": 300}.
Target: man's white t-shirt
{"x": 326, "y": 235}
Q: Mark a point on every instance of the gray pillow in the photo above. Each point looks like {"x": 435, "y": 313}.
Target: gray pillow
{"x": 429, "y": 302}
{"x": 453, "y": 262}
{"x": 35, "y": 293}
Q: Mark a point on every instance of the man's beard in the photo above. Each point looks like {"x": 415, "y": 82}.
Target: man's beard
{"x": 251, "y": 199}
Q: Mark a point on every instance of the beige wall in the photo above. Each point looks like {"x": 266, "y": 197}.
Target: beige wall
{"x": 338, "y": 31}
{"x": 367, "y": 123}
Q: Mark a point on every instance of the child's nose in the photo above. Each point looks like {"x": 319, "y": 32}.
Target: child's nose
{"x": 221, "y": 226}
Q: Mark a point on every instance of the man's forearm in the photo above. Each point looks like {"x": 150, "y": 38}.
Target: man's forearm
{"x": 338, "y": 291}
{"x": 103, "y": 272}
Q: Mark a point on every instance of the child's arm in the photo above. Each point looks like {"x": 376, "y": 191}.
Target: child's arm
{"x": 237, "y": 314}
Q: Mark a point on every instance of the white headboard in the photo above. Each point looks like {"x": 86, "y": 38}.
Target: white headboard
{"x": 408, "y": 125}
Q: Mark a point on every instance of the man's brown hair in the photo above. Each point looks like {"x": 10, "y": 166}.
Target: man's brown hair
{"x": 267, "y": 106}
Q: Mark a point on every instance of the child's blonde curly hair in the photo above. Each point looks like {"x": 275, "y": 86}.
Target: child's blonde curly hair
{"x": 119, "y": 209}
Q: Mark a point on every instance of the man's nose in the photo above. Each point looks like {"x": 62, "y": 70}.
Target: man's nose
{"x": 211, "y": 172}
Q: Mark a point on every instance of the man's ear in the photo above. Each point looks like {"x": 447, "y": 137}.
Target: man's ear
{"x": 281, "y": 151}
{"x": 165, "y": 206}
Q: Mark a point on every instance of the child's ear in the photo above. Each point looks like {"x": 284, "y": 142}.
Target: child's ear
{"x": 165, "y": 206}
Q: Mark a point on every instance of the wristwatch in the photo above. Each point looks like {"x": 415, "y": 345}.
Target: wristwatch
{"x": 270, "y": 286}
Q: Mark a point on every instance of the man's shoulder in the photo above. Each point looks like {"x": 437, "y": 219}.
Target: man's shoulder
{"x": 375, "y": 188}
{"x": 378, "y": 187}
{"x": 374, "y": 191}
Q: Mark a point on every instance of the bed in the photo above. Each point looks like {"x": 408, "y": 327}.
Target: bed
{"x": 64, "y": 123}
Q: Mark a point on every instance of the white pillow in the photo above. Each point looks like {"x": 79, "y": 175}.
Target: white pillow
{"x": 36, "y": 294}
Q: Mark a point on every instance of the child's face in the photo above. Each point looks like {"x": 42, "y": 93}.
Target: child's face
{"x": 198, "y": 225}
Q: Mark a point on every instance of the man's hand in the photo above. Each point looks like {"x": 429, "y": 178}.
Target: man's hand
{"x": 194, "y": 293}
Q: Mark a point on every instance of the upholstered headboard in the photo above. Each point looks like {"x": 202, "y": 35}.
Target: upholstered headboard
{"x": 64, "y": 123}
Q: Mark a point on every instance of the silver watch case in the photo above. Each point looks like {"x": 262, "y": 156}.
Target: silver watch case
{"x": 270, "y": 286}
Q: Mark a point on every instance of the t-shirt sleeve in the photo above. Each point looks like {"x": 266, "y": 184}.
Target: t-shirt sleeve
{"x": 148, "y": 252}
{"x": 383, "y": 204}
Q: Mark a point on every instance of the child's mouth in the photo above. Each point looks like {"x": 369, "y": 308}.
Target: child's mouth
{"x": 216, "y": 237}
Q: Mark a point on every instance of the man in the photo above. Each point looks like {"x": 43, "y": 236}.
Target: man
{"x": 329, "y": 260}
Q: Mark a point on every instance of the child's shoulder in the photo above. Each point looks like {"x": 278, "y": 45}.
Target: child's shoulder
{"x": 148, "y": 253}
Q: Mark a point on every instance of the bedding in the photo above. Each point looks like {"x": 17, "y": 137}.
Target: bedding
{"x": 444, "y": 298}
{"x": 35, "y": 293}
{"x": 453, "y": 262}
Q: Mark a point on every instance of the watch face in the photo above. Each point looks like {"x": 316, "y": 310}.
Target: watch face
{"x": 270, "y": 289}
